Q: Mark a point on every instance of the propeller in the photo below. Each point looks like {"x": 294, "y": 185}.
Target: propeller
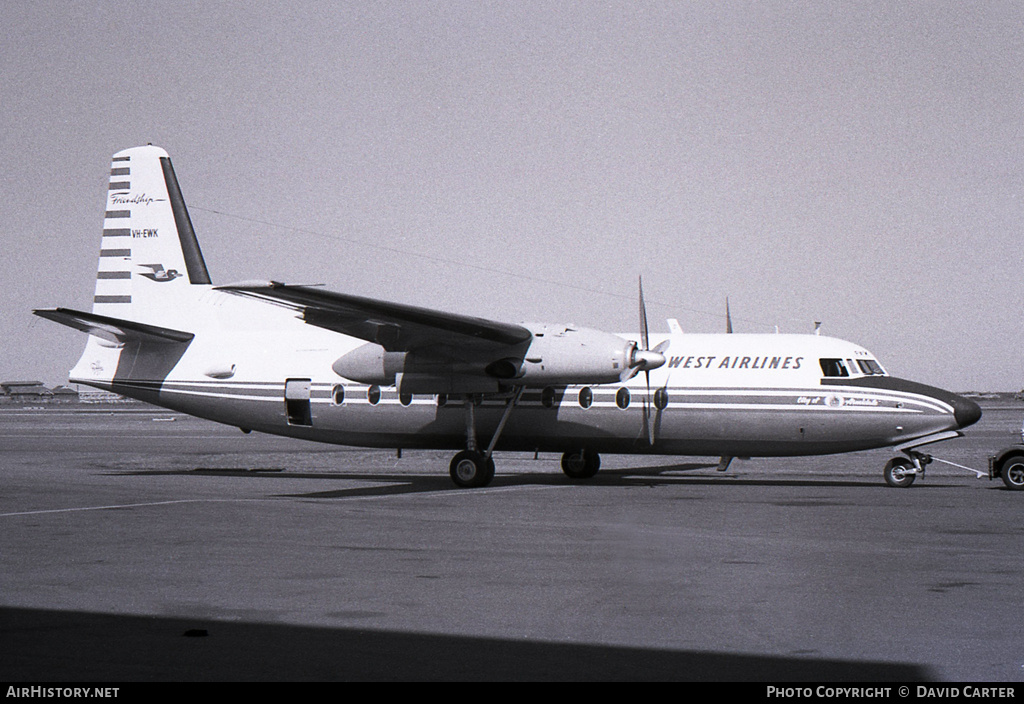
{"x": 659, "y": 405}
{"x": 646, "y": 359}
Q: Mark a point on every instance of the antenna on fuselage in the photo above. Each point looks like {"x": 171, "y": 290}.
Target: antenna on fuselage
{"x": 817, "y": 327}
{"x": 728, "y": 317}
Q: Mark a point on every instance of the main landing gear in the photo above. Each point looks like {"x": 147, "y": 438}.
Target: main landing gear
{"x": 581, "y": 464}
{"x": 473, "y": 468}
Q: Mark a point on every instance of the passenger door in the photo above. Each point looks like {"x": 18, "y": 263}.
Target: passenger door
{"x": 296, "y": 401}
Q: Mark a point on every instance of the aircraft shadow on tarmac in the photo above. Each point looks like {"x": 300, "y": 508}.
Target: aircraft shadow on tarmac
{"x": 388, "y": 483}
{"x": 53, "y": 646}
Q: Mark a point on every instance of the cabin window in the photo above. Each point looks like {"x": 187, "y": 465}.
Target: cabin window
{"x": 373, "y": 395}
{"x": 586, "y": 397}
{"x": 622, "y": 398}
{"x": 338, "y": 395}
{"x": 661, "y": 399}
{"x": 547, "y": 397}
{"x": 870, "y": 366}
{"x": 833, "y": 367}
{"x": 442, "y": 399}
{"x": 405, "y": 399}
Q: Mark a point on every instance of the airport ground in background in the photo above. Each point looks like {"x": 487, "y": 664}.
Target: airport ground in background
{"x": 138, "y": 544}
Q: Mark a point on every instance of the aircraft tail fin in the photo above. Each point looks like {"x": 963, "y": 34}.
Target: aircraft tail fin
{"x": 149, "y": 251}
{"x": 150, "y": 275}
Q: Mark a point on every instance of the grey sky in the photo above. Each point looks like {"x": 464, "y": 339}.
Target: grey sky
{"x": 857, "y": 163}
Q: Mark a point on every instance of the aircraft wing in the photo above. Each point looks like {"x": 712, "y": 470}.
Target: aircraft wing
{"x": 396, "y": 327}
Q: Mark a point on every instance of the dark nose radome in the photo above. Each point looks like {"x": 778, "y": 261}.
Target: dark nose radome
{"x": 966, "y": 411}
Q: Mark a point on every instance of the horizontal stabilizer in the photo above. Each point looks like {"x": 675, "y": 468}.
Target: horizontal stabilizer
{"x": 113, "y": 329}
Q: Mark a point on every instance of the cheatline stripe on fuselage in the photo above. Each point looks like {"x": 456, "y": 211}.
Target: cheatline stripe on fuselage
{"x": 844, "y": 394}
{"x": 863, "y": 400}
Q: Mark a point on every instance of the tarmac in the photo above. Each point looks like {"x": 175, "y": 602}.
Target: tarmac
{"x": 140, "y": 545}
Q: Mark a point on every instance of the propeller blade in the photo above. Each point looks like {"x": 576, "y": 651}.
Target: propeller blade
{"x": 658, "y": 403}
{"x": 647, "y": 410}
{"x": 645, "y": 358}
{"x": 644, "y": 338}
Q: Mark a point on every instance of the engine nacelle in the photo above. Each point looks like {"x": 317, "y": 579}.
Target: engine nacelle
{"x": 409, "y": 373}
{"x": 370, "y": 364}
{"x": 557, "y": 355}
{"x": 561, "y": 354}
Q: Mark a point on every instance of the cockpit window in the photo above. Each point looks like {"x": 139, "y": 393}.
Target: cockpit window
{"x": 870, "y": 366}
{"x": 833, "y": 367}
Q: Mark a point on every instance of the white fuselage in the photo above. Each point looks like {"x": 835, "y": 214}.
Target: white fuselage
{"x": 260, "y": 367}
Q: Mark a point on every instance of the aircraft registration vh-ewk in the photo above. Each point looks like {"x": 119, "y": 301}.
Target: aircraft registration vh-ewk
{"x": 331, "y": 367}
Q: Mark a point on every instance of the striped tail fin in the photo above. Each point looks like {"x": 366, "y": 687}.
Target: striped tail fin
{"x": 149, "y": 251}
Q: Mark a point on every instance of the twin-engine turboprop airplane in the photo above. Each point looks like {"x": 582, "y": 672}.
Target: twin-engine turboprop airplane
{"x": 336, "y": 368}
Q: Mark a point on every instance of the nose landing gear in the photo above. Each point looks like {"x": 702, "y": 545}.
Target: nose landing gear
{"x": 901, "y": 472}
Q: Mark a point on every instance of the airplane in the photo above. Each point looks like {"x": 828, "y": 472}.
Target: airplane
{"x": 301, "y": 361}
